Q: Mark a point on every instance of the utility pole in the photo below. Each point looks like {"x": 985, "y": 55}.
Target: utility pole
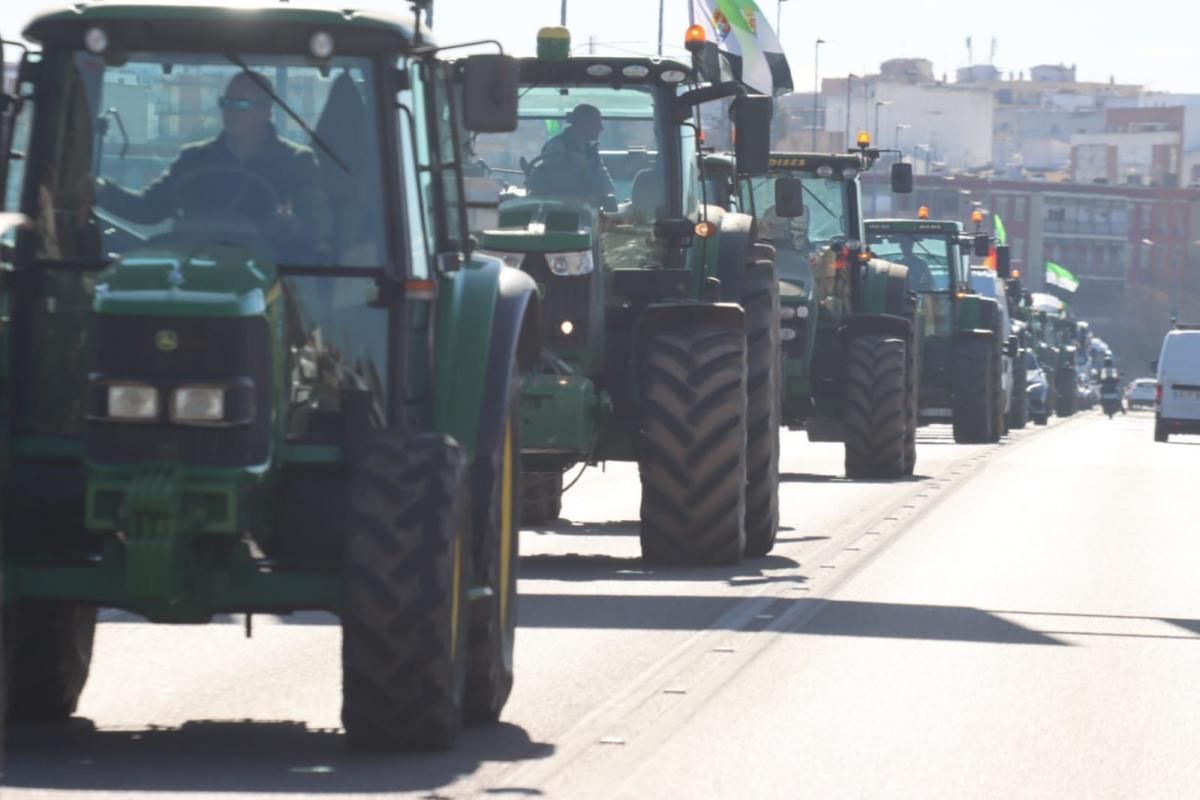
{"x": 849, "y": 84}
{"x": 816, "y": 89}
{"x": 660, "y": 25}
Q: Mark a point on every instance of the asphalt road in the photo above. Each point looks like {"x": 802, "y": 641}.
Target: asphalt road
{"x": 1020, "y": 620}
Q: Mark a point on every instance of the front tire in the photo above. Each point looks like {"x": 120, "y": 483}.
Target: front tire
{"x": 48, "y": 652}
{"x": 692, "y": 444}
{"x": 541, "y": 497}
{"x": 876, "y": 409}
{"x": 406, "y": 600}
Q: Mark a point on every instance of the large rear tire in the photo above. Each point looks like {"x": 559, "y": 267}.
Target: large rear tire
{"x": 1066, "y": 398}
{"x": 1018, "y": 412}
{"x": 972, "y": 396}
{"x": 405, "y": 602}
{"x": 692, "y": 444}
{"x": 912, "y": 388}
{"x": 48, "y": 654}
{"x": 876, "y": 411}
{"x": 764, "y": 405}
{"x": 493, "y": 625}
{"x": 999, "y": 418}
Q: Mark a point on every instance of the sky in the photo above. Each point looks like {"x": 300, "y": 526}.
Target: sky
{"x": 1151, "y": 42}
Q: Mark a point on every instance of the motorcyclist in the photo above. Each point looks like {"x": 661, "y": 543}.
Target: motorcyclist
{"x": 1110, "y": 383}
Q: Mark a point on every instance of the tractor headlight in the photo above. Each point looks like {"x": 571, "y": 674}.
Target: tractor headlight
{"x": 198, "y": 404}
{"x": 579, "y": 263}
{"x": 132, "y": 401}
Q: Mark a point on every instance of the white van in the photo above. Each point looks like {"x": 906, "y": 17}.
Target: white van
{"x": 1177, "y": 406}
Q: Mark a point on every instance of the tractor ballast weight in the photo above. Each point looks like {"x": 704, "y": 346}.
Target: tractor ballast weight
{"x": 263, "y": 392}
{"x": 644, "y": 292}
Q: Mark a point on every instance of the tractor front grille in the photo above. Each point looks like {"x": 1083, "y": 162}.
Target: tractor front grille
{"x": 168, "y": 352}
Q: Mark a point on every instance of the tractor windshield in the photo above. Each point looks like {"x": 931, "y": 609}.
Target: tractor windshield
{"x": 595, "y": 146}
{"x": 928, "y": 258}
{"x": 161, "y": 147}
{"x": 823, "y": 223}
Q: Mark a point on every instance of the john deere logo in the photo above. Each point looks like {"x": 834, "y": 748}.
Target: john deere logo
{"x": 166, "y": 341}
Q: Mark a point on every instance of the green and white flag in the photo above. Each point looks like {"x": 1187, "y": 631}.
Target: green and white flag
{"x": 1060, "y": 276}
{"x": 1001, "y": 234}
{"x": 741, "y": 31}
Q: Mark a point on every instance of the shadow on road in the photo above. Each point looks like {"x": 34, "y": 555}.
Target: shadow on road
{"x": 242, "y": 756}
{"x": 601, "y": 567}
{"x": 565, "y": 527}
{"x": 807, "y": 477}
{"x": 832, "y": 617}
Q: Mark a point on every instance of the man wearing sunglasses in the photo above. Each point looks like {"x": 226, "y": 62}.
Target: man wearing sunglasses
{"x": 248, "y": 178}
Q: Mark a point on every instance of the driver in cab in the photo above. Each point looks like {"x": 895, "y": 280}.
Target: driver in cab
{"x": 248, "y": 173}
{"x": 571, "y": 163}
{"x": 919, "y": 275}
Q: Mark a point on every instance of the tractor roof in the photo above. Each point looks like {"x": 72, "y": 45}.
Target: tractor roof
{"x": 811, "y": 162}
{"x": 253, "y": 24}
{"x": 588, "y": 70}
{"x": 914, "y": 226}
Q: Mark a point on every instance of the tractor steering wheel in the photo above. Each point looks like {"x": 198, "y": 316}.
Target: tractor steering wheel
{"x": 257, "y": 180}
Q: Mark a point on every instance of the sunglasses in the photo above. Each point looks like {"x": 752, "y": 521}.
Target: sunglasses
{"x": 235, "y": 104}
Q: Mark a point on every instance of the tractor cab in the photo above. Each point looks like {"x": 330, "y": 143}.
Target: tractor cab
{"x": 245, "y": 326}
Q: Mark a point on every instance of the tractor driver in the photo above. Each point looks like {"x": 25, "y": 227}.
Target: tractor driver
{"x": 246, "y": 174}
{"x": 920, "y": 277}
{"x": 570, "y": 162}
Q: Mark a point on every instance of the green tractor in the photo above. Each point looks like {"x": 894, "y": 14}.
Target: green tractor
{"x": 250, "y": 362}
{"x": 847, "y": 318}
{"x": 1055, "y": 333}
{"x": 963, "y": 340}
{"x": 659, "y": 311}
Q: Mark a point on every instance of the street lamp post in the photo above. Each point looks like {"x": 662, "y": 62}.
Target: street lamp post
{"x": 816, "y": 90}
{"x": 849, "y": 84}
{"x": 879, "y": 103}
{"x": 896, "y": 141}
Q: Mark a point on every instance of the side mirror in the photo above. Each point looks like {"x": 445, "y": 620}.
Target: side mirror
{"x": 1154, "y": 365}
{"x": 1014, "y": 347}
{"x": 902, "y": 178}
{"x": 789, "y": 197}
{"x": 1003, "y": 262}
{"x": 490, "y": 86}
{"x": 676, "y": 232}
{"x": 983, "y": 245}
{"x": 752, "y": 126}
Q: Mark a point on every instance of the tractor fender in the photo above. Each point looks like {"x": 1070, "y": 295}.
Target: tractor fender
{"x": 978, "y": 313}
{"x": 735, "y": 243}
{"x": 885, "y": 288}
{"x": 878, "y": 325}
{"x": 674, "y": 315}
{"x": 487, "y": 316}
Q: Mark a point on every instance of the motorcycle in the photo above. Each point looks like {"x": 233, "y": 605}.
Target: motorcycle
{"x": 1110, "y": 400}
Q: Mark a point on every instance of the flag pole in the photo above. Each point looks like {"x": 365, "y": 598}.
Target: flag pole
{"x": 563, "y": 21}
{"x": 691, "y": 12}
{"x": 660, "y": 26}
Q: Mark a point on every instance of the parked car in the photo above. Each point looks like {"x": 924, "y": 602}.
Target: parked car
{"x": 1141, "y": 392}
{"x": 1036, "y": 390}
{"x": 1177, "y": 405}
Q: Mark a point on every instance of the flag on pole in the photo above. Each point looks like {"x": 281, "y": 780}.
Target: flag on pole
{"x": 1001, "y": 234}
{"x": 741, "y": 31}
{"x": 1060, "y": 276}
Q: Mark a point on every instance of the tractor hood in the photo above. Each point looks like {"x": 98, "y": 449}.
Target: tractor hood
{"x": 540, "y": 226}
{"x": 209, "y": 280}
